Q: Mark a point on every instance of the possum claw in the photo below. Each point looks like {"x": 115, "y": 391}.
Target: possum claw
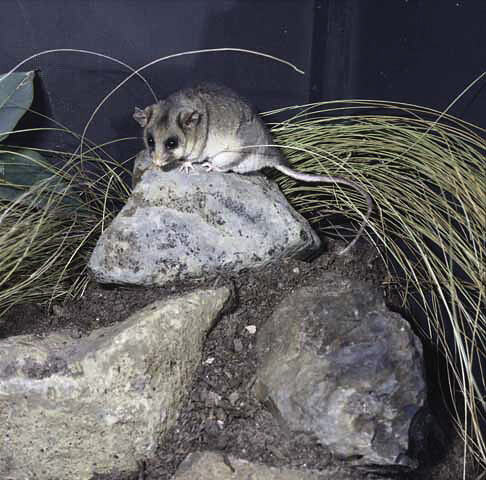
{"x": 186, "y": 167}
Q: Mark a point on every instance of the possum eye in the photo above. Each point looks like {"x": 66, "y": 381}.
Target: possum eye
{"x": 171, "y": 143}
{"x": 150, "y": 141}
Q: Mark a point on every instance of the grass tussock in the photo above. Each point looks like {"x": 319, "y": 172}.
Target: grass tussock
{"x": 49, "y": 230}
{"x": 428, "y": 182}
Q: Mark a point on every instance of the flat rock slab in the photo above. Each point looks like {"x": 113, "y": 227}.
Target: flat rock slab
{"x": 177, "y": 226}
{"x": 73, "y": 407}
{"x": 337, "y": 364}
{"x": 213, "y": 466}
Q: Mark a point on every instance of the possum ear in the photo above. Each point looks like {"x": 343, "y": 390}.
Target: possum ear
{"x": 142, "y": 117}
{"x": 188, "y": 119}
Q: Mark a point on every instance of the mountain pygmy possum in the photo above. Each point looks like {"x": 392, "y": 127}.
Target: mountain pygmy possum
{"x": 213, "y": 126}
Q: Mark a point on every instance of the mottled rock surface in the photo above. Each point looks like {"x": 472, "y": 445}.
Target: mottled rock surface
{"x": 337, "y": 364}
{"x": 73, "y": 407}
{"x": 213, "y": 466}
{"x": 177, "y": 226}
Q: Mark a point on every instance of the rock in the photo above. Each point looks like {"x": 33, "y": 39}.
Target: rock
{"x": 213, "y": 466}
{"x": 177, "y": 226}
{"x": 337, "y": 364}
{"x": 70, "y": 408}
{"x": 140, "y": 165}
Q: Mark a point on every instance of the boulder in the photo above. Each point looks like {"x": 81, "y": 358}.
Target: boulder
{"x": 177, "y": 226}
{"x": 336, "y": 364}
{"x": 73, "y": 407}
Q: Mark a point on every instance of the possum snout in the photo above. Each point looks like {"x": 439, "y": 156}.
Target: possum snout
{"x": 159, "y": 159}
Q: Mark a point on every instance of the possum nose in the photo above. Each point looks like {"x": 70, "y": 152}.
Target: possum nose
{"x": 157, "y": 159}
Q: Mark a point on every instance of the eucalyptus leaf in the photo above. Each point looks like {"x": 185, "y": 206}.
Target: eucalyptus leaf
{"x": 16, "y": 95}
{"x": 21, "y": 169}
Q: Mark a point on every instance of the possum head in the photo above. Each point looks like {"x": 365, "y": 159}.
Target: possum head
{"x": 172, "y": 132}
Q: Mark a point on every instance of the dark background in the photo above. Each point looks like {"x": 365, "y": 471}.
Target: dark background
{"x": 417, "y": 51}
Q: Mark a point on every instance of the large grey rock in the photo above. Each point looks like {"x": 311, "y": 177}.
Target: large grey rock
{"x": 69, "y": 408}
{"x": 213, "y": 466}
{"x": 176, "y": 226}
{"x": 336, "y": 363}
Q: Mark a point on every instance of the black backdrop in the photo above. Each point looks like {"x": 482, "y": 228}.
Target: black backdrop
{"x": 416, "y": 51}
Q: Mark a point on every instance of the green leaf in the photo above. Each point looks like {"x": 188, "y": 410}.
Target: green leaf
{"x": 20, "y": 169}
{"x": 16, "y": 94}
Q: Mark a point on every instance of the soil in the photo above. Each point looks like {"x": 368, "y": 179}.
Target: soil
{"x": 222, "y": 390}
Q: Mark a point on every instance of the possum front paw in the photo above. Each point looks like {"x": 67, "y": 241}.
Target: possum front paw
{"x": 186, "y": 167}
